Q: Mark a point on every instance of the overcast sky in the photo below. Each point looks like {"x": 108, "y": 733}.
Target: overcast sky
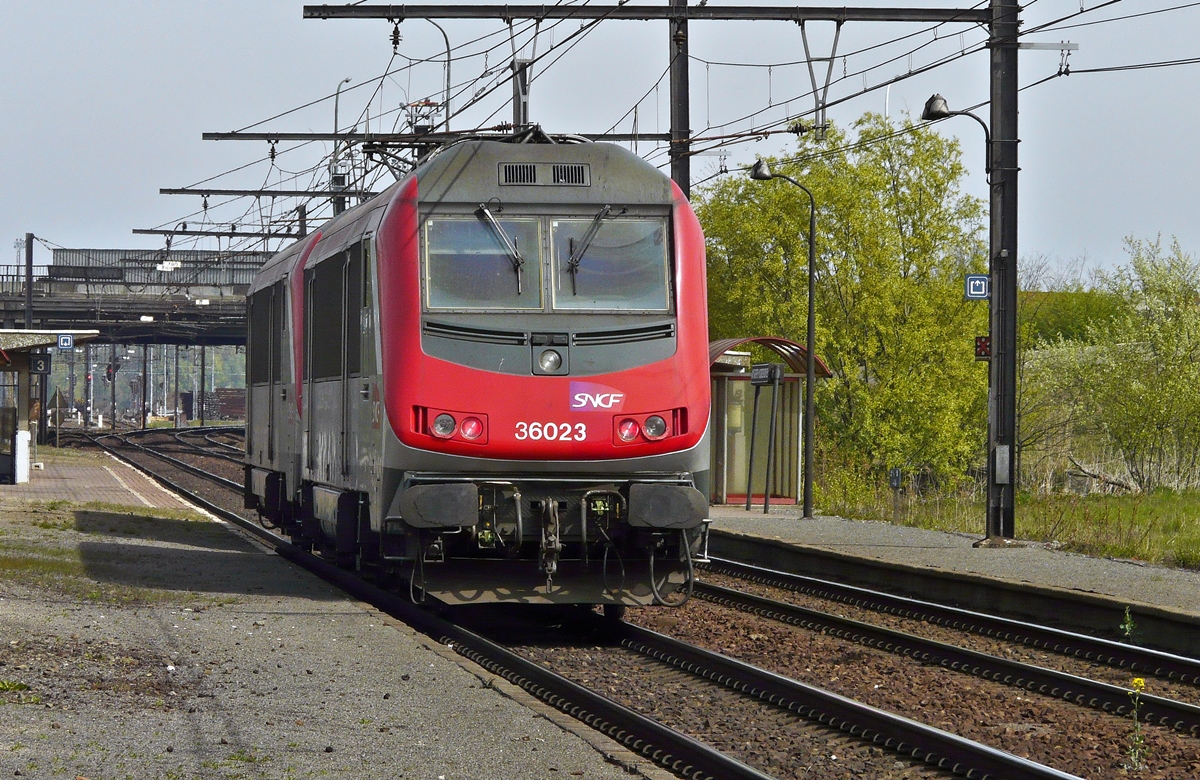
{"x": 104, "y": 103}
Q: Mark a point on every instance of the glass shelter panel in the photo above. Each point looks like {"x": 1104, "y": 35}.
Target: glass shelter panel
{"x": 470, "y": 264}
{"x": 623, "y": 264}
{"x": 731, "y": 452}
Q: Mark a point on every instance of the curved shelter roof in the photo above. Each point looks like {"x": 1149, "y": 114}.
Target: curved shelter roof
{"x": 795, "y": 355}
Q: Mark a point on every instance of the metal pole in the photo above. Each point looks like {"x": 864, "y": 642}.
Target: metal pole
{"x": 1002, "y": 411}
{"x": 775, "y": 375}
{"x": 145, "y": 380}
{"x": 810, "y": 360}
{"x": 43, "y": 405}
{"x": 337, "y": 181}
{"x": 203, "y": 384}
{"x": 112, "y": 410}
{"x": 810, "y": 372}
{"x": 750, "y": 460}
{"x": 29, "y": 281}
{"x": 446, "y": 98}
{"x": 681, "y": 123}
{"x": 176, "y": 385}
{"x": 87, "y": 386}
{"x": 70, "y": 384}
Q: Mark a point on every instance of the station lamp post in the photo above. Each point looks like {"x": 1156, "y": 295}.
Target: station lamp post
{"x": 762, "y": 172}
{"x": 1002, "y": 318}
{"x": 337, "y": 179}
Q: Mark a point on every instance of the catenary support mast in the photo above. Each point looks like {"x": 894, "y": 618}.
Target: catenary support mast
{"x": 1002, "y": 401}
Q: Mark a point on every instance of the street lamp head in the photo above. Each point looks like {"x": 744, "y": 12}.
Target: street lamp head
{"x": 346, "y": 80}
{"x": 935, "y": 108}
{"x": 761, "y": 171}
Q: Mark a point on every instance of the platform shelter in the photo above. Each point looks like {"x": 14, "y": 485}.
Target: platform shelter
{"x": 731, "y": 417}
{"x": 18, "y": 364}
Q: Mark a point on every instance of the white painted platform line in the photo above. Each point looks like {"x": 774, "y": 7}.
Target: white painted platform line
{"x": 174, "y": 498}
{"x": 125, "y": 485}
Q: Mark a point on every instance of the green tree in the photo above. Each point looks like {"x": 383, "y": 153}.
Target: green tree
{"x": 1140, "y": 375}
{"x": 896, "y": 234}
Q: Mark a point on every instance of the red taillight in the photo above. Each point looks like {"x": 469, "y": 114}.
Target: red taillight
{"x": 471, "y": 428}
{"x": 628, "y": 429}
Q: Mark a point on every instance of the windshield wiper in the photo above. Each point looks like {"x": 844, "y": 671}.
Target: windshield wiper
{"x": 577, "y": 252}
{"x": 510, "y": 245}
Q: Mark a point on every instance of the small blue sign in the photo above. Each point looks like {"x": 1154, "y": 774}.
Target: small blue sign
{"x": 66, "y": 341}
{"x": 978, "y": 287}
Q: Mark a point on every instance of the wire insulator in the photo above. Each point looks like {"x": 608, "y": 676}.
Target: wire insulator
{"x": 396, "y": 37}
{"x": 270, "y": 153}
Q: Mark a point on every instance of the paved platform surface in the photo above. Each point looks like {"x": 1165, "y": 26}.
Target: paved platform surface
{"x": 73, "y": 476}
{"x": 1032, "y": 563}
{"x": 161, "y": 644}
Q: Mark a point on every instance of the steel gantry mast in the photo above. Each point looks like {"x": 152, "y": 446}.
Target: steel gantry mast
{"x": 1002, "y": 390}
{"x": 1003, "y": 20}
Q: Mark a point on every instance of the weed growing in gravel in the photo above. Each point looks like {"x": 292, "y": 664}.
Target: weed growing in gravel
{"x": 1128, "y": 626}
{"x": 11, "y": 685}
{"x": 1138, "y": 750}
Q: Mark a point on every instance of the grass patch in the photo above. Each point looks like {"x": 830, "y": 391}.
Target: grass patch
{"x": 1161, "y": 526}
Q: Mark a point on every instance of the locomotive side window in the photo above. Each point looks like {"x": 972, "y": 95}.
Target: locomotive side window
{"x": 260, "y": 336}
{"x": 325, "y": 317}
{"x": 611, "y": 264}
{"x": 483, "y": 262}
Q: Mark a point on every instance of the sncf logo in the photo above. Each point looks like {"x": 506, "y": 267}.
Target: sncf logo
{"x": 586, "y": 396}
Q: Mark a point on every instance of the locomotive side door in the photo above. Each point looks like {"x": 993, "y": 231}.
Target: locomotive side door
{"x": 362, "y": 390}
{"x": 275, "y": 384}
{"x": 325, "y": 369}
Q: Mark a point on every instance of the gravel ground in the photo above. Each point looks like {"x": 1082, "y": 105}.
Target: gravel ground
{"x": 1050, "y": 731}
{"x": 1159, "y": 686}
{"x": 150, "y": 644}
{"x": 765, "y": 737}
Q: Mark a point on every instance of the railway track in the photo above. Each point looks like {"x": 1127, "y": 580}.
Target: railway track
{"x": 1099, "y": 650}
{"x": 906, "y": 738}
{"x": 1159, "y": 710}
{"x": 670, "y": 748}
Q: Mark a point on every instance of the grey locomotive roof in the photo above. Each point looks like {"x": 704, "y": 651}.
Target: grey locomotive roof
{"x": 470, "y": 172}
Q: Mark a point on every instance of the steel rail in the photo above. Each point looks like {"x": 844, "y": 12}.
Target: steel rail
{"x": 1106, "y": 651}
{"x": 664, "y": 746}
{"x": 209, "y": 438}
{"x": 199, "y": 472}
{"x": 932, "y": 745}
{"x": 1078, "y": 690}
{"x": 207, "y": 451}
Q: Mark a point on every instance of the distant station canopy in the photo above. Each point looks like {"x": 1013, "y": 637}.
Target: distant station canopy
{"x": 793, "y": 354}
{"x": 16, "y": 357}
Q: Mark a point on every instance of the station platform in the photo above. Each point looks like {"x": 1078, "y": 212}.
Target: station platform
{"x": 157, "y": 641}
{"x": 72, "y": 475}
{"x": 940, "y": 556}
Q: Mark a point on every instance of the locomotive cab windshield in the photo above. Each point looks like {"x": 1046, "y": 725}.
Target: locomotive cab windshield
{"x": 605, "y": 263}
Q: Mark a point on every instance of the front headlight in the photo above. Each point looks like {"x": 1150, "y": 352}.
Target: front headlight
{"x": 655, "y": 427}
{"x": 443, "y": 426}
{"x": 550, "y": 361}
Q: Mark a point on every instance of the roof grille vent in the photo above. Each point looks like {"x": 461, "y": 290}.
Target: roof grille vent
{"x": 518, "y": 173}
{"x": 571, "y": 173}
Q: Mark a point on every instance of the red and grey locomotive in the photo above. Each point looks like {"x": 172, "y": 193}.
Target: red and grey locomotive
{"x": 491, "y": 380}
